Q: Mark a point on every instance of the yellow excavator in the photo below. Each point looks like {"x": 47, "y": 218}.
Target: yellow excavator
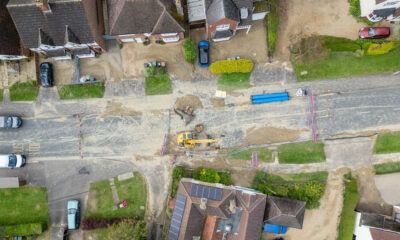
{"x": 189, "y": 140}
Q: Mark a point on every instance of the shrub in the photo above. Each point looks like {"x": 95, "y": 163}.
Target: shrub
{"x": 377, "y": 49}
{"x": 207, "y": 175}
{"x": 95, "y": 223}
{"x": 178, "y": 173}
{"x": 21, "y": 230}
{"x": 225, "y": 178}
{"x": 189, "y": 50}
{"x": 140, "y": 230}
{"x": 230, "y": 66}
{"x": 309, "y": 192}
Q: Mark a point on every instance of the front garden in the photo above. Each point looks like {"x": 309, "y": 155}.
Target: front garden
{"x": 350, "y": 199}
{"x": 24, "y": 91}
{"x": 80, "y": 91}
{"x": 157, "y": 81}
{"x": 301, "y": 153}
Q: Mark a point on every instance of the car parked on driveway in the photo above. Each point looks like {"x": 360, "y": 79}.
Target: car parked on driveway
{"x": 374, "y": 32}
{"x": 204, "y": 53}
{"x": 74, "y": 215}
{"x": 12, "y": 161}
{"x": 46, "y": 74}
{"x": 10, "y": 122}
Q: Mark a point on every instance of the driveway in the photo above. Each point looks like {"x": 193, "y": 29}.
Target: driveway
{"x": 304, "y": 18}
{"x": 388, "y": 187}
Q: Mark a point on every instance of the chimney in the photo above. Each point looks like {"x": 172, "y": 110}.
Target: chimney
{"x": 232, "y": 206}
{"x": 43, "y": 5}
{"x": 203, "y": 203}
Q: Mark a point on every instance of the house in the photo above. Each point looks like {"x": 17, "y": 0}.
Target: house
{"x": 141, "y": 21}
{"x": 283, "y": 212}
{"x": 377, "y": 10}
{"x": 59, "y": 29}
{"x": 371, "y": 226}
{"x": 10, "y": 45}
{"x": 214, "y": 211}
{"x": 222, "y": 18}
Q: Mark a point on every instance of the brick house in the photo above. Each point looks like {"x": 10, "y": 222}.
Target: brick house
{"x": 142, "y": 21}
{"x": 10, "y": 44}
{"x": 377, "y": 10}
{"x": 222, "y": 18}
{"x": 59, "y": 29}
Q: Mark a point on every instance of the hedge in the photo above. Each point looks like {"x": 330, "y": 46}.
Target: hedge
{"x": 377, "y": 49}
{"x": 95, "y": 223}
{"x": 189, "y": 50}
{"x": 28, "y": 229}
{"x": 231, "y": 66}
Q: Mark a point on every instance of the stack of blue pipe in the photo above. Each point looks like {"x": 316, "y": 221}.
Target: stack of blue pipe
{"x": 269, "y": 97}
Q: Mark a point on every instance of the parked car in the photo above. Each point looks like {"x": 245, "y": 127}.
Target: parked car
{"x": 374, "y": 32}
{"x": 12, "y": 161}
{"x": 46, "y": 74}
{"x": 74, "y": 215}
{"x": 10, "y": 122}
{"x": 204, "y": 53}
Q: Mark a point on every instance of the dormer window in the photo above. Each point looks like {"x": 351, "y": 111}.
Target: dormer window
{"x": 43, "y": 5}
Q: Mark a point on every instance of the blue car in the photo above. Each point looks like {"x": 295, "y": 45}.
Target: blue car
{"x": 204, "y": 53}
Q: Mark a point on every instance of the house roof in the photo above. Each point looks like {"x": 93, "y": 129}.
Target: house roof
{"x": 220, "y": 9}
{"x": 29, "y": 18}
{"x": 385, "y": 12}
{"x": 285, "y": 212}
{"x": 244, "y": 223}
{"x": 9, "y": 39}
{"x": 140, "y": 16}
{"x": 379, "y": 234}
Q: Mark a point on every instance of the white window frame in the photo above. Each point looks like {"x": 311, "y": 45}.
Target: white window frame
{"x": 222, "y": 27}
{"x": 168, "y": 34}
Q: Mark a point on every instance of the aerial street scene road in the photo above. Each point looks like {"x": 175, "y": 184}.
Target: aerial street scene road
{"x": 200, "y": 119}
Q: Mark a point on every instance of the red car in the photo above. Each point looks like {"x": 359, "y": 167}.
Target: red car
{"x": 374, "y": 32}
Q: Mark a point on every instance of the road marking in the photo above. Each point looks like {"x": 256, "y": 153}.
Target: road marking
{"x": 363, "y": 112}
{"x": 18, "y": 148}
{"x": 34, "y": 147}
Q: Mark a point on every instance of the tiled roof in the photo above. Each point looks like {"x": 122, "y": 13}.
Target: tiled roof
{"x": 220, "y": 9}
{"x": 247, "y": 219}
{"x": 378, "y": 234}
{"x": 285, "y": 212}
{"x": 140, "y": 16}
{"x": 29, "y": 19}
{"x": 9, "y": 39}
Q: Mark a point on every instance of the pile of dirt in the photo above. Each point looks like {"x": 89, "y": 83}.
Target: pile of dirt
{"x": 114, "y": 108}
{"x": 265, "y": 135}
{"x": 188, "y": 100}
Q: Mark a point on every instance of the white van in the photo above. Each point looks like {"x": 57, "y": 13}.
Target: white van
{"x": 10, "y": 122}
{"x": 12, "y": 161}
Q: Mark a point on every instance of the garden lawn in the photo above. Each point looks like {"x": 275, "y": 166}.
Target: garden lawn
{"x": 233, "y": 81}
{"x": 346, "y": 225}
{"x": 272, "y": 26}
{"x": 23, "y": 205}
{"x": 387, "y": 143}
{"x": 264, "y": 154}
{"x": 384, "y": 168}
{"x": 301, "y": 153}
{"x": 24, "y": 91}
{"x": 346, "y": 64}
{"x": 1, "y": 95}
{"x": 132, "y": 190}
{"x": 79, "y": 91}
{"x": 158, "y": 84}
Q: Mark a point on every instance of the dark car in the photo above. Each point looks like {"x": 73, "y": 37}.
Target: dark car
{"x": 374, "y": 32}
{"x": 204, "y": 53}
{"x": 10, "y": 122}
{"x": 46, "y": 74}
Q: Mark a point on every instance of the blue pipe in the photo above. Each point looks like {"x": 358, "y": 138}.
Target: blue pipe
{"x": 268, "y": 100}
{"x": 270, "y": 95}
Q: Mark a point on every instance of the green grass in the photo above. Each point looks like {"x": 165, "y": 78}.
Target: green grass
{"x": 301, "y": 153}
{"x": 79, "y": 91}
{"x": 345, "y": 64}
{"x": 272, "y": 26}
{"x": 346, "y": 225}
{"x": 264, "y": 154}
{"x": 387, "y": 143}
{"x": 23, "y": 205}
{"x": 24, "y": 91}
{"x": 384, "y": 168}
{"x": 233, "y": 81}
{"x": 1, "y": 95}
{"x": 132, "y": 190}
{"x": 339, "y": 44}
{"x": 158, "y": 85}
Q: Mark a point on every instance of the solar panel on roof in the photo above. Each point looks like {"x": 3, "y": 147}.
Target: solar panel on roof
{"x": 176, "y": 221}
{"x": 206, "y": 192}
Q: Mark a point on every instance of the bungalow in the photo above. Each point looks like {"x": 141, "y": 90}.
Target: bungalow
{"x": 141, "y": 21}
{"x": 59, "y": 29}
{"x": 222, "y": 18}
{"x": 10, "y": 45}
{"x": 377, "y": 10}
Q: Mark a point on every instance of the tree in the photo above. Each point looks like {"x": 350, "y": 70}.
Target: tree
{"x": 124, "y": 230}
{"x": 140, "y": 231}
{"x": 189, "y": 50}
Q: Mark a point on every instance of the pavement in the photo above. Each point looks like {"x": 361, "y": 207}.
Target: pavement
{"x": 389, "y": 190}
